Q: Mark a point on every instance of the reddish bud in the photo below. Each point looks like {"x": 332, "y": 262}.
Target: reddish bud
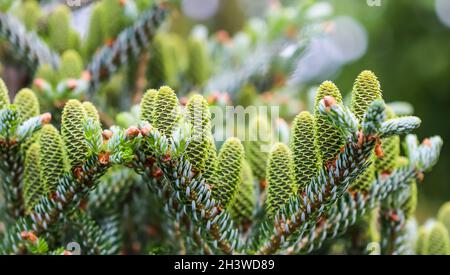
{"x": 329, "y": 101}
{"x": 394, "y": 217}
{"x": 29, "y": 235}
{"x": 379, "y": 150}
{"x": 166, "y": 158}
{"x": 83, "y": 204}
{"x": 122, "y": 2}
{"x": 145, "y": 131}
{"x": 86, "y": 75}
{"x": 360, "y": 138}
{"x": 385, "y": 174}
{"x": 103, "y": 158}
{"x": 132, "y": 132}
{"x": 223, "y": 37}
{"x": 78, "y": 172}
{"x": 39, "y": 83}
{"x": 32, "y": 237}
{"x": 183, "y": 101}
{"x": 427, "y": 142}
{"x": 420, "y": 176}
{"x": 46, "y": 118}
{"x": 263, "y": 184}
{"x": 66, "y": 253}
{"x": 107, "y": 134}
{"x": 24, "y": 235}
{"x": 157, "y": 173}
{"x": 72, "y": 83}
{"x": 109, "y": 42}
{"x": 213, "y": 97}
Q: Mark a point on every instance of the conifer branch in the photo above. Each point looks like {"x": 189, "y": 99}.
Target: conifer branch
{"x": 27, "y": 44}
{"x": 129, "y": 43}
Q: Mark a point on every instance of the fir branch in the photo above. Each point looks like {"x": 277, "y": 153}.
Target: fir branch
{"x": 94, "y": 239}
{"x": 112, "y": 190}
{"x": 188, "y": 192}
{"x": 12, "y": 136}
{"x": 72, "y": 187}
{"x": 27, "y": 44}
{"x": 129, "y": 43}
{"x": 302, "y": 214}
{"x": 352, "y": 206}
{"x": 256, "y": 64}
{"x": 393, "y": 232}
{"x": 397, "y": 126}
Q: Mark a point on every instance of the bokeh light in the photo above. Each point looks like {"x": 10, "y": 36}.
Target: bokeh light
{"x": 344, "y": 40}
{"x": 200, "y": 9}
{"x": 443, "y": 11}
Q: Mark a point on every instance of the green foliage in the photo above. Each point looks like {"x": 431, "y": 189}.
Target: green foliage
{"x": 211, "y": 164}
{"x": 247, "y": 95}
{"x": 38, "y": 247}
{"x": 391, "y": 151}
{"x": 188, "y": 199}
{"x": 72, "y": 120}
{"x": 444, "y": 215}
{"x": 305, "y": 154}
{"x": 365, "y": 90}
{"x": 126, "y": 119}
{"x": 244, "y": 203}
{"x": 199, "y": 63}
{"x": 166, "y": 112}
{"x": 166, "y": 63}
{"x": 71, "y": 65}
{"x": 257, "y": 150}
{"x": 46, "y": 72}
{"x": 52, "y": 157}
{"x": 4, "y": 95}
{"x": 91, "y": 111}
{"x": 33, "y": 188}
{"x": 422, "y": 236}
{"x": 113, "y": 18}
{"x": 410, "y": 205}
{"x": 280, "y": 178}
{"x": 365, "y": 180}
{"x": 59, "y": 29}
{"x": 27, "y": 104}
{"x": 148, "y": 105}
{"x": 93, "y": 239}
{"x": 199, "y": 117}
{"x": 229, "y": 171}
{"x": 30, "y": 13}
{"x": 95, "y": 36}
{"x": 329, "y": 139}
{"x": 437, "y": 242}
